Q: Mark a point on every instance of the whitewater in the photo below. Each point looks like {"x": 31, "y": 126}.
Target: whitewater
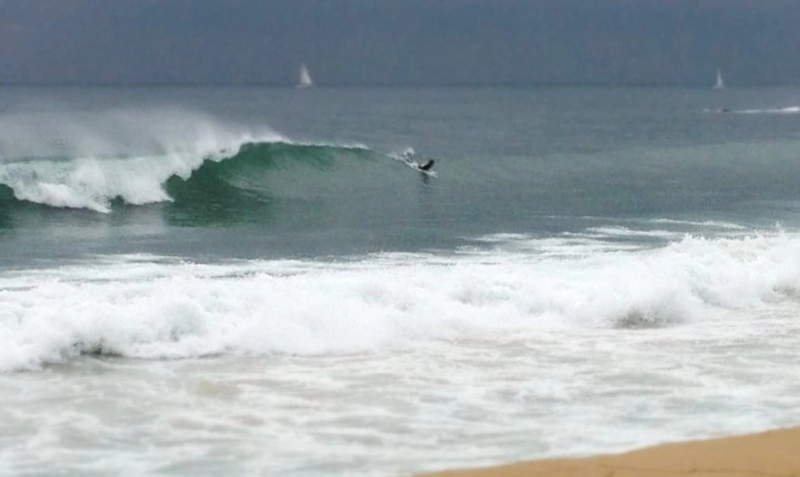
{"x": 357, "y": 365}
{"x": 250, "y": 281}
{"x": 87, "y": 160}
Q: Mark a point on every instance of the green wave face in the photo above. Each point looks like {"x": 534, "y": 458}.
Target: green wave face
{"x": 6, "y": 195}
{"x": 269, "y": 181}
{"x": 263, "y": 177}
{"x": 298, "y": 185}
{"x": 264, "y": 171}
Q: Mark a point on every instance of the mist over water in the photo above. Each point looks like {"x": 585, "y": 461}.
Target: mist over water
{"x": 191, "y": 276}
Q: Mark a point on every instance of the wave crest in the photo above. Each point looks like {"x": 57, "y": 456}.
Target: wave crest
{"x": 195, "y": 159}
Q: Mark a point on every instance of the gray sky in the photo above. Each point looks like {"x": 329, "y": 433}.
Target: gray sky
{"x": 400, "y": 41}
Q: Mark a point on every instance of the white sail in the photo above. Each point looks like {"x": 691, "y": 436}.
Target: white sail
{"x": 305, "y": 78}
{"x": 719, "y": 84}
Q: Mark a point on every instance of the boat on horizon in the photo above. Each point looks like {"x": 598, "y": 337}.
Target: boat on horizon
{"x": 719, "y": 84}
{"x": 305, "y": 77}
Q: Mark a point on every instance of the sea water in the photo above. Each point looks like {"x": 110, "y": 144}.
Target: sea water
{"x": 251, "y": 281}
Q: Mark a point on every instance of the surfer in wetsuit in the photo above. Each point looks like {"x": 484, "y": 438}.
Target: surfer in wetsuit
{"x": 408, "y": 156}
{"x": 427, "y": 166}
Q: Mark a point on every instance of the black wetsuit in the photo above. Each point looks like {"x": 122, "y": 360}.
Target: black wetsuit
{"x": 427, "y": 166}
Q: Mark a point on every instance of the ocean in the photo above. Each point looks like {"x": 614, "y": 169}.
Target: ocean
{"x": 251, "y": 280}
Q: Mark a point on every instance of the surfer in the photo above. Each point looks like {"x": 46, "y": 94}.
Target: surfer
{"x": 408, "y": 156}
{"x": 427, "y": 166}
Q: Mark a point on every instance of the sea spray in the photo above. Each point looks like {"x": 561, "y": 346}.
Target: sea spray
{"x": 85, "y": 160}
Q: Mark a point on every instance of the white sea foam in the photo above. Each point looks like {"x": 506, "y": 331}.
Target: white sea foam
{"x": 787, "y": 110}
{"x": 708, "y": 224}
{"x": 155, "y": 308}
{"x": 86, "y": 160}
{"x": 349, "y": 367}
{"x": 627, "y": 232}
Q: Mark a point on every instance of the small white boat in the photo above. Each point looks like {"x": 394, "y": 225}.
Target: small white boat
{"x": 305, "y": 78}
{"x": 719, "y": 84}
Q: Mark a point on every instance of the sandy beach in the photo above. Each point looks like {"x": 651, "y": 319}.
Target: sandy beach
{"x": 771, "y": 453}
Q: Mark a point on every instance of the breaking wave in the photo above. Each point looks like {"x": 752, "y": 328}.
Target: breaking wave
{"x": 187, "y": 157}
{"x": 152, "y": 307}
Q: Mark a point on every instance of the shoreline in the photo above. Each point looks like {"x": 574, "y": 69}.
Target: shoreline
{"x": 774, "y": 453}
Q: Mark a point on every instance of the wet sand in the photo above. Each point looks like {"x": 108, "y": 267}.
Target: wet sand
{"x": 768, "y": 454}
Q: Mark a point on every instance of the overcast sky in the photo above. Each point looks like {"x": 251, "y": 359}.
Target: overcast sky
{"x": 400, "y": 41}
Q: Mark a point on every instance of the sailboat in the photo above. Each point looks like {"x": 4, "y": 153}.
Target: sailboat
{"x": 719, "y": 84}
{"x": 305, "y": 78}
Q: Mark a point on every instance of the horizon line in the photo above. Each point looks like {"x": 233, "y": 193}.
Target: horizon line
{"x": 382, "y": 85}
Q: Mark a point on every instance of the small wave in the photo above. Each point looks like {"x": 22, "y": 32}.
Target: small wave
{"x": 613, "y": 232}
{"x": 704, "y": 223}
{"x": 787, "y": 110}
